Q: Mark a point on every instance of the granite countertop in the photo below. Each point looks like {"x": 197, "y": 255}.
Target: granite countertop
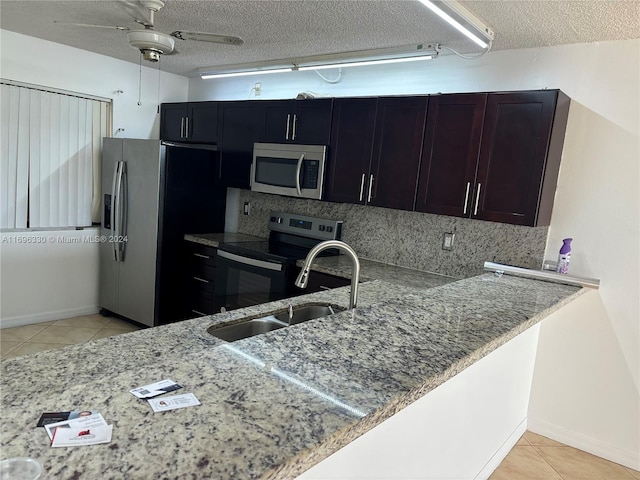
{"x": 215, "y": 239}
{"x": 273, "y": 405}
{"x": 340, "y": 265}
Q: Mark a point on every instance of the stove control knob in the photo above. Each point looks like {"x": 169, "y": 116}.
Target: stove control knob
{"x": 329, "y": 229}
{"x": 272, "y": 219}
{"x": 278, "y": 219}
{"x": 321, "y": 228}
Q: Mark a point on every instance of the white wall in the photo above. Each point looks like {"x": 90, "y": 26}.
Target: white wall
{"x": 38, "y": 62}
{"x": 597, "y": 203}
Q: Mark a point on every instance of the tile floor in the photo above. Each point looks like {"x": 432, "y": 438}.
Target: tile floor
{"x": 533, "y": 458}
{"x": 17, "y": 341}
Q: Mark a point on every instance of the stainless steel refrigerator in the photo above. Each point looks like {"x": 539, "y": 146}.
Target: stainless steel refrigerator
{"x": 152, "y": 194}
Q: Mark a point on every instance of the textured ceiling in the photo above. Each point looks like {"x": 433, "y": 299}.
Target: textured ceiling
{"x": 277, "y": 29}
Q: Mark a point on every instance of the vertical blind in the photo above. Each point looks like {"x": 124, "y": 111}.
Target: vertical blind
{"x": 50, "y": 147}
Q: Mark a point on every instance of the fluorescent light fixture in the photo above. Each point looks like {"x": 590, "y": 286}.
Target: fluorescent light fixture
{"x": 256, "y": 68}
{"x": 206, "y": 76}
{"x": 462, "y": 20}
{"x": 380, "y": 56}
{"x": 366, "y": 62}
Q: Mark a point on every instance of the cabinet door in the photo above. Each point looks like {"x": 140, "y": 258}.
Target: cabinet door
{"x": 350, "y": 148}
{"x": 202, "y": 126}
{"x": 396, "y": 151}
{"x": 515, "y": 140}
{"x": 278, "y": 120}
{"x": 450, "y": 153}
{"x": 238, "y": 132}
{"x": 312, "y": 121}
{"x": 172, "y": 118}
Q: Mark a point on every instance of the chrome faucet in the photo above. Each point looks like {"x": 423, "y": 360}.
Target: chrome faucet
{"x": 303, "y": 277}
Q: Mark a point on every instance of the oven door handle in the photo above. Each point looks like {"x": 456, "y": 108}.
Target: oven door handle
{"x": 250, "y": 261}
{"x": 298, "y": 170}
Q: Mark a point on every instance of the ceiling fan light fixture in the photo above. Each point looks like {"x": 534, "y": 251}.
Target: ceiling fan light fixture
{"x": 151, "y": 43}
{"x": 462, "y": 20}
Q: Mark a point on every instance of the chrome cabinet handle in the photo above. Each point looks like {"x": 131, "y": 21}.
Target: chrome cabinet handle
{"x": 293, "y": 131}
{"x": 466, "y": 199}
{"x": 298, "y": 169}
{"x": 475, "y": 211}
{"x": 370, "y": 188}
{"x": 286, "y": 135}
{"x": 186, "y": 127}
{"x": 202, "y": 256}
{"x": 201, "y": 279}
{"x": 361, "y": 187}
{"x": 181, "y": 127}
{"x": 198, "y": 313}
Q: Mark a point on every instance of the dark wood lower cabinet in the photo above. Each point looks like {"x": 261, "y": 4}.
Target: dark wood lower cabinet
{"x": 199, "y": 280}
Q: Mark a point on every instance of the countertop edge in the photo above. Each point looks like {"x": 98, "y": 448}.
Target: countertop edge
{"x": 309, "y": 458}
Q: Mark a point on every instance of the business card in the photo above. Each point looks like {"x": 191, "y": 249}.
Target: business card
{"x": 79, "y": 423}
{"x": 75, "y": 437}
{"x": 155, "y": 389}
{"x": 173, "y": 402}
{"x": 54, "y": 417}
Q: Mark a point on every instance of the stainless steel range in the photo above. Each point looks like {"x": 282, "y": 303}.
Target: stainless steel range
{"x": 250, "y": 273}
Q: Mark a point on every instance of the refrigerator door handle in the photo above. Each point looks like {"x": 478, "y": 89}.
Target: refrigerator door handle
{"x": 118, "y": 219}
{"x": 122, "y": 228}
{"x": 114, "y": 209}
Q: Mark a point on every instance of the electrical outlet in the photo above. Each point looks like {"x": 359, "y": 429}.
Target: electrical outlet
{"x": 257, "y": 89}
{"x": 247, "y": 208}
{"x": 447, "y": 241}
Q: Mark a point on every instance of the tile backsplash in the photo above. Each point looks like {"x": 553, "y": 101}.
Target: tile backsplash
{"x": 409, "y": 239}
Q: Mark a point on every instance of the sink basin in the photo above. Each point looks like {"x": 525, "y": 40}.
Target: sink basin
{"x": 303, "y": 313}
{"x": 271, "y": 321}
{"x": 248, "y": 328}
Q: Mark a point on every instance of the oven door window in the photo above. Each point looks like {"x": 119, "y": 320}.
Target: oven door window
{"x": 279, "y": 172}
{"x": 243, "y": 282}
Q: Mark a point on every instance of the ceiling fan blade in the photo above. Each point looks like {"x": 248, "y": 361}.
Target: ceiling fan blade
{"x": 91, "y": 25}
{"x": 207, "y": 37}
{"x": 136, "y": 11}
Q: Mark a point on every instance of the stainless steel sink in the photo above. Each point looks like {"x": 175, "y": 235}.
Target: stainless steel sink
{"x": 272, "y": 321}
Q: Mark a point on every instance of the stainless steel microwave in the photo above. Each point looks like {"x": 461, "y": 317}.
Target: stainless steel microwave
{"x": 286, "y": 169}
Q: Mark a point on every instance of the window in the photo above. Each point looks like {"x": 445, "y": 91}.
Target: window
{"x": 50, "y": 145}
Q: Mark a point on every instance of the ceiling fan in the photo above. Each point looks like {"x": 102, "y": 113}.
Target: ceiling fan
{"x": 153, "y": 43}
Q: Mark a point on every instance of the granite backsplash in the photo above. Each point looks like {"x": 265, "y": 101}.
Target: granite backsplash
{"x": 409, "y": 239}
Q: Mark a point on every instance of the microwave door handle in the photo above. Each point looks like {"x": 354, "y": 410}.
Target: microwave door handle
{"x": 298, "y": 170}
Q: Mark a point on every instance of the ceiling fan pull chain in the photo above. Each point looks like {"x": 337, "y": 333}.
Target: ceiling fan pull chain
{"x": 159, "y": 78}
{"x": 140, "y": 83}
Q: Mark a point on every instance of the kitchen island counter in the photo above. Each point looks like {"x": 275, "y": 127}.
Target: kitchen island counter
{"x": 272, "y": 405}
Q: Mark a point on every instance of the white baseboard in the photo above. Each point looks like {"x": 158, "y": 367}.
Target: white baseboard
{"x": 502, "y": 452}
{"x": 21, "y": 320}
{"x": 582, "y": 442}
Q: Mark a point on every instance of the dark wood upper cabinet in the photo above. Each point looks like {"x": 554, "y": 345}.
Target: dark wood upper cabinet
{"x": 351, "y": 145}
{"x": 520, "y": 156}
{"x": 450, "y": 153}
{"x": 172, "y": 117}
{"x": 493, "y": 156}
{"x": 397, "y": 147}
{"x": 203, "y": 122}
{"x": 238, "y": 130}
{"x": 189, "y": 122}
{"x": 305, "y": 121}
